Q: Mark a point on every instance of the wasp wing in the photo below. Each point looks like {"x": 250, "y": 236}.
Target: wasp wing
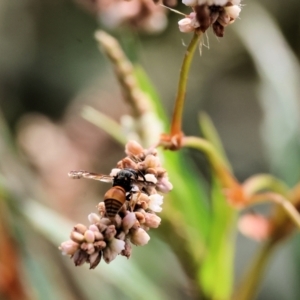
{"x": 90, "y": 175}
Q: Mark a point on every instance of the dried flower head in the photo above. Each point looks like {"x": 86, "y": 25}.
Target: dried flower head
{"x": 215, "y": 13}
{"x": 128, "y": 211}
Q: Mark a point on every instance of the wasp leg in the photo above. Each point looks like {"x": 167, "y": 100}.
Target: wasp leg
{"x": 132, "y": 202}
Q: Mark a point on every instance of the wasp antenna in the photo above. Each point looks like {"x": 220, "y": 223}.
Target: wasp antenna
{"x": 173, "y": 10}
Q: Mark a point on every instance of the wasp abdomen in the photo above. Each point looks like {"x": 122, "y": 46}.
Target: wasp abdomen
{"x": 114, "y": 198}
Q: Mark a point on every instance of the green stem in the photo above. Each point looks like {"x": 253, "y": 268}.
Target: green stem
{"x": 181, "y": 91}
{"x": 286, "y": 205}
{"x": 217, "y": 162}
{"x": 248, "y": 287}
{"x": 265, "y": 182}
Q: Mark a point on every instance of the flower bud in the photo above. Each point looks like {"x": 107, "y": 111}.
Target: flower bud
{"x": 139, "y": 237}
{"x": 117, "y": 245}
{"x": 151, "y": 178}
{"x": 152, "y": 220}
{"x": 127, "y": 249}
{"x": 77, "y": 237}
{"x": 80, "y": 228}
{"x": 101, "y": 227}
{"x": 88, "y": 248}
{"x": 105, "y": 221}
{"x": 112, "y": 250}
{"x": 151, "y": 161}
{"x": 140, "y": 217}
{"x": 94, "y": 228}
{"x": 99, "y": 245}
{"x": 121, "y": 236}
{"x": 102, "y": 210}
{"x": 223, "y": 19}
{"x": 91, "y": 249}
{"x": 95, "y": 259}
{"x": 186, "y": 25}
{"x": 68, "y": 247}
{"x": 133, "y": 148}
{"x": 164, "y": 185}
{"x": 233, "y": 11}
{"x": 117, "y": 221}
{"x": 152, "y": 171}
{"x": 93, "y": 218}
{"x": 127, "y": 163}
{"x": 161, "y": 172}
{"x": 235, "y": 2}
{"x": 98, "y": 236}
{"x": 89, "y": 236}
{"x": 110, "y": 232}
{"x": 212, "y": 2}
{"x": 140, "y": 197}
{"x": 128, "y": 221}
{"x": 80, "y": 257}
{"x": 190, "y": 2}
{"x": 155, "y": 201}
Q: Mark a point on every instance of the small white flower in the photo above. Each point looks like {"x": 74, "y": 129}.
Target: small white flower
{"x": 164, "y": 185}
{"x": 190, "y": 2}
{"x": 128, "y": 221}
{"x": 189, "y": 24}
{"x": 139, "y": 237}
{"x": 185, "y": 25}
{"x": 113, "y": 249}
{"x": 117, "y": 245}
{"x": 89, "y": 236}
{"x": 233, "y": 11}
{"x": 151, "y": 178}
{"x": 212, "y": 2}
{"x": 235, "y": 2}
{"x": 93, "y": 218}
{"x": 68, "y": 247}
{"x": 155, "y": 201}
{"x": 114, "y": 172}
{"x": 152, "y": 220}
{"x": 135, "y": 188}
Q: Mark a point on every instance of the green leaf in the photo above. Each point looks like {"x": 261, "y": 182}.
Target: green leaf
{"x": 210, "y": 134}
{"x": 188, "y": 194}
{"x": 104, "y": 122}
{"x": 147, "y": 87}
{"x": 216, "y": 274}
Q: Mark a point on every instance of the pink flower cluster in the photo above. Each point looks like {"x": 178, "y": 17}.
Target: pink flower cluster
{"x": 107, "y": 237}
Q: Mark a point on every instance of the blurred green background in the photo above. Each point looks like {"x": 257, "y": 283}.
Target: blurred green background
{"x": 248, "y": 82}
